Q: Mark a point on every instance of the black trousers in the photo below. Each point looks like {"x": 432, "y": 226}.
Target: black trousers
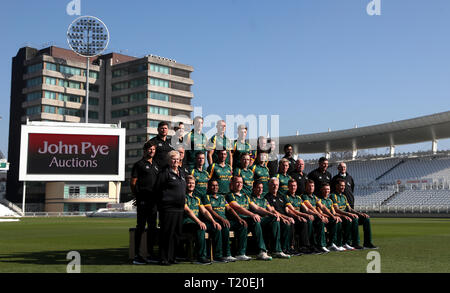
{"x": 300, "y": 229}
{"x": 146, "y": 214}
{"x": 171, "y": 225}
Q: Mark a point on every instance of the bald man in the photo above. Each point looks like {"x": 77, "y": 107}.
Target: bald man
{"x": 299, "y": 176}
{"x": 349, "y": 183}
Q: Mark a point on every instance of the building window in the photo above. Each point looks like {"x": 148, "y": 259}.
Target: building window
{"x": 34, "y": 96}
{"x": 138, "y": 82}
{"x": 180, "y": 72}
{"x": 159, "y": 96}
{"x": 34, "y": 67}
{"x": 136, "y": 124}
{"x": 119, "y": 113}
{"x": 33, "y": 110}
{"x": 159, "y": 110}
{"x": 138, "y": 96}
{"x": 93, "y": 88}
{"x": 51, "y": 80}
{"x": 34, "y": 81}
{"x": 93, "y": 74}
{"x": 93, "y": 115}
{"x": 153, "y": 123}
{"x": 119, "y": 72}
{"x": 50, "y": 95}
{"x": 159, "y": 82}
{"x": 70, "y": 112}
{"x": 69, "y": 98}
{"x": 159, "y": 68}
{"x": 119, "y": 100}
{"x": 69, "y": 70}
{"x": 93, "y": 101}
{"x": 50, "y": 109}
{"x": 120, "y": 86}
{"x": 181, "y": 86}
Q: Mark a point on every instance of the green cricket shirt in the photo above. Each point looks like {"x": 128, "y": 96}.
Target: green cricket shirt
{"x": 218, "y": 143}
{"x": 194, "y": 204}
{"x": 261, "y": 173}
{"x": 312, "y": 199}
{"x": 222, "y": 175}
{"x": 201, "y": 182}
{"x": 218, "y": 204}
{"x": 241, "y": 199}
{"x": 284, "y": 183}
{"x": 340, "y": 201}
{"x": 247, "y": 177}
{"x": 295, "y": 201}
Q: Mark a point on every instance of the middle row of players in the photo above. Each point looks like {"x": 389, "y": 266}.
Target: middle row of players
{"x": 272, "y": 204}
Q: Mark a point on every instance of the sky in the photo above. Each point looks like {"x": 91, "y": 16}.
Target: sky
{"x": 318, "y": 64}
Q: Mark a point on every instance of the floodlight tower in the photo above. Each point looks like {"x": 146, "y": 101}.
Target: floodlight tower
{"x": 87, "y": 36}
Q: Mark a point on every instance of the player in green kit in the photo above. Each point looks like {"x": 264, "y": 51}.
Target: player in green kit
{"x": 246, "y": 174}
{"x": 261, "y": 172}
{"x": 193, "y": 225}
{"x": 218, "y": 207}
{"x": 201, "y": 176}
{"x": 241, "y": 146}
{"x": 241, "y": 204}
{"x": 283, "y": 177}
{"x": 220, "y": 142}
{"x": 194, "y": 142}
{"x": 317, "y": 238}
{"x": 222, "y": 172}
{"x": 357, "y": 218}
{"x": 273, "y": 222}
{"x": 303, "y": 220}
{"x": 334, "y": 226}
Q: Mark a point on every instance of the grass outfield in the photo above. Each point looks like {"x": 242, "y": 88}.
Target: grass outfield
{"x": 41, "y": 245}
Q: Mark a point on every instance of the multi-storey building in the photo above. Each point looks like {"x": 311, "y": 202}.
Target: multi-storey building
{"x": 50, "y": 85}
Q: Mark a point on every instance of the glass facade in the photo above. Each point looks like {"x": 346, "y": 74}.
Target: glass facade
{"x": 159, "y": 110}
{"x": 159, "y": 82}
{"x": 34, "y": 96}
{"x": 159, "y": 68}
{"x": 159, "y": 96}
{"x": 33, "y": 110}
{"x": 34, "y": 68}
{"x": 34, "y": 81}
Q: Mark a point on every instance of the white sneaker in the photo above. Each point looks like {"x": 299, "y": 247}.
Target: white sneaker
{"x": 263, "y": 256}
{"x": 230, "y": 259}
{"x": 243, "y": 257}
{"x": 340, "y": 248}
{"x": 333, "y": 247}
{"x": 324, "y": 249}
{"x": 281, "y": 255}
{"x": 348, "y": 247}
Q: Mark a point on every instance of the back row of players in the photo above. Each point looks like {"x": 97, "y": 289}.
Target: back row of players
{"x": 248, "y": 190}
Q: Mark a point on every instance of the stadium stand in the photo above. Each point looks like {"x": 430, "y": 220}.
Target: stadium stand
{"x": 6, "y": 211}
{"x": 409, "y": 180}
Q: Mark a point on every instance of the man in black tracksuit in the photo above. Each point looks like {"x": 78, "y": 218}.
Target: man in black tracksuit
{"x": 299, "y": 176}
{"x": 320, "y": 175}
{"x": 288, "y": 154}
{"x": 162, "y": 142}
{"x": 143, "y": 178}
{"x": 349, "y": 184}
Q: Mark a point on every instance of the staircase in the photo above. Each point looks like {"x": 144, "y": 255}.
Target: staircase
{"x": 389, "y": 170}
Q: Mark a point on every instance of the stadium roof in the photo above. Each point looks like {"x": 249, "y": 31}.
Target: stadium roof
{"x": 415, "y": 130}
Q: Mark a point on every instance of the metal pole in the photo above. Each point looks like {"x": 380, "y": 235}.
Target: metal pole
{"x": 87, "y": 91}
{"x": 23, "y": 197}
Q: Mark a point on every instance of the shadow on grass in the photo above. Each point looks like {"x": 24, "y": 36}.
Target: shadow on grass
{"x": 107, "y": 256}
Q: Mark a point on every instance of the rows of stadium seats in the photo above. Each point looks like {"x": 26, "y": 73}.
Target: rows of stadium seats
{"x": 375, "y": 180}
{"x": 420, "y": 197}
{"x": 419, "y": 168}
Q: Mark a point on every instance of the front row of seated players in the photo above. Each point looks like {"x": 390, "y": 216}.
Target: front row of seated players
{"x": 279, "y": 217}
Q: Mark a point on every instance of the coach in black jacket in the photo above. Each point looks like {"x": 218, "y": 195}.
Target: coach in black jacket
{"x": 320, "y": 175}
{"x": 349, "y": 183}
{"x": 171, "y": 188}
